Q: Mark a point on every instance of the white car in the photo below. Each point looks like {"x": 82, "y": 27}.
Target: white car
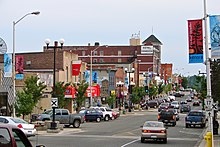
{"x": 172, "y": 97}
{"x": 107, "y": 113}
{"x": 28, "y": 129}
{"x": 175, "y": 104}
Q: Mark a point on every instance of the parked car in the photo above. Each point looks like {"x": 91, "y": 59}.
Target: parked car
{"x": 167, "y": 117}
{"x": 153, "y": 130}
{"x": 28, "y": 129}
{"x": 64, "y": 117}
{"x": 12, "y": 136}
{"x": 175, "y": 104}
{"x": 152, "y": 104}
{"x": 107, "y": 112}
{"x": 196, "y": 103}
{"x": 115, "y": 114}
{"x": 92, "y": 115}
{"x": 185, "y": 108}
{"x": 195, "y": 117}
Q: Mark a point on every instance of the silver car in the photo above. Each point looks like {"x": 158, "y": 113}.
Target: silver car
{"x": 154, "y": 130}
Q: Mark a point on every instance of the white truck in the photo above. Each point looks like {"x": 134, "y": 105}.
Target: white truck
{"x": 107, "y": 113}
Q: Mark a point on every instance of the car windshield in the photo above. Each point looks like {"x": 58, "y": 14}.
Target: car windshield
{"x": 18, "y": 120}
{"x": 164, "y": 104}
{"x": 48, "y": 112}
{"x": 153, "y": 124}
{"x": 195, "y": 113}
{"x": 82, "y": 111}
{"x": 175, "y": 103}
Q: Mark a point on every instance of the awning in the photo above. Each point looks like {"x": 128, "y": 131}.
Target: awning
{"x": 3, "y": 91}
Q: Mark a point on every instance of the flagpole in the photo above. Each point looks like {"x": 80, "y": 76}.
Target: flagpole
{"x": 207, "y": 62}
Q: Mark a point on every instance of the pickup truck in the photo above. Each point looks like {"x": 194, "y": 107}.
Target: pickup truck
{"x": 167, "y": 116}
{"x": 12, "y": 136}
{"x": 195, "y": 117}
{"x": 61, "y": 115}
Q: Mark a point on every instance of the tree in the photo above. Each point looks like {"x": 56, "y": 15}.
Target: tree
{"x": 25, "y": 103}
{"x": 80, "y": 94}
{"x": 215, "y": 80}
{"x": 111, "y": 100}
{"x": 29, "y": 97}
{"x": 184, "y": 82}
{"x": 58, "y": 92}
{"x": 153, "y": 90}
{"x": 161, "y": 88}
{"x": 168, "y": 88}
{"x": 137, "y": 94}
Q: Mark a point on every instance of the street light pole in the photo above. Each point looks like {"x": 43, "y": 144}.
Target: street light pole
{"x": 13, "y": 74}
{"x": 47, "y": 41}
{"x": 91, "y": 52}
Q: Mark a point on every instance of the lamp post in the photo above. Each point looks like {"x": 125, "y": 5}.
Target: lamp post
{"x": 13, "y": 74}
{"x": 120, "y": 96}
{"x": 129, "y": 84}
{"x": 91, "y": 52}
{"x": 47, "y": 41}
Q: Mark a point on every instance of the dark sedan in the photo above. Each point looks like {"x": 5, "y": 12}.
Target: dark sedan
{"x": 185, "y": 108}
{"x": 152, "y": 104}
{"x": 92, "y": 115}
{"x": 196, "y": 103}
{"x": 163, "y": 106}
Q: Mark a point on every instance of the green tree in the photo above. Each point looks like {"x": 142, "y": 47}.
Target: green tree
{"x": 80, "y": 94}
{"x": 111, "y": 100}
{"x": 137, "y": 94}
{"x": 161, "y": 88}
{"x": 168, "y": 88}
{"x": 153, "y": 90}
{"x": 33, "y": 87}
{"x": 215, "y": 80}
{"x": 184, "y": 82}
{"x": 58, "y": 92}
{"x": 25, "y": 103}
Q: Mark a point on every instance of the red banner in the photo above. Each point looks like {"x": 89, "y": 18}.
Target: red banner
{"x": 195, "y": 37}
{"x": 95, "y": 91}
{"x": 76, "y": 65}
{"x": 19, "y": 64}
{"x": 70, "y": 92}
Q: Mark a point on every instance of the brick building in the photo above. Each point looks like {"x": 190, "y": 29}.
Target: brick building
{"x": 166, "y": 72}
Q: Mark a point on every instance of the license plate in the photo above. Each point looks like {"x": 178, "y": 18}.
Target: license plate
{"x": 29, "y": 131}
{"x": 153, "y": 136}
{"x": 165, "y": 120}
{"x": 193, "y": 122}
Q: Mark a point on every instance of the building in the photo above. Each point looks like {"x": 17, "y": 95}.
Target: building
{"x": 166, "y": 72}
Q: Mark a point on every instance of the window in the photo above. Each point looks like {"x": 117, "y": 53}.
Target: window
{"x": 3, "y": 120}
{"x": 101, "y": 53}
{"x": 95, "y": 53}
{"x": 119, "y": 53}
{"x": 83, "y": 53}
{"x": 58, "y": 112}
{"x": 119, "y": 59}
{"x": 101, "y": 60}
{"x": 94, "y": 60}
{"x": 20, "y": 139}
{"x": 5, "y": 139}
{"x": 65, "y": 112}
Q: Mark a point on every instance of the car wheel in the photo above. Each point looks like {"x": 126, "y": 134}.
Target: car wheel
{"x": 187, "y": 126}
{"x": 98, "y": 119}
{"x": 76, "y": 124}
{"x": 113, "y": 117}
{"x": 174, "y": 123}
{"x": 66, "y": 126}
{"x": 142, "y": 140}
{"x": 165, "y": 140}
{"x": 106, "y": 118}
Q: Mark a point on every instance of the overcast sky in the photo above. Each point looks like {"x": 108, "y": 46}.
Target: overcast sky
{"x": 110, "y": 22}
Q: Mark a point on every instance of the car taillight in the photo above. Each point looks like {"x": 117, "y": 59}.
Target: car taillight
{"x": 158, "y": 116}
{"x": 146, "y": 131}
{"x": 163, "y": 131}
{"x": 20, "y": 126}
{"x": 173, "y": 116}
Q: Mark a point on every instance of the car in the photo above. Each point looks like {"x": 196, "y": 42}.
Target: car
{"x": 196, "y": 103}
{"x": 183, "y": 102}
{"x": 175, "y": 104}
{"x": 92, "y": 115}
{"x": 185, "y": 108}
{"x": 28, "y": 129}
{"x": 167, "y": 117}
{"x": 152, "y": 104}
{"x": 163, "y": 106}
{"x": 12, "y": 136}
{"x": 172, "y": 97}
{"x": 189, "y": 99}
{"x": 176, "y": 112}
{"x": 107, "y": 112}
{"x": 195, "y": 117}
{"x": 115, "y": 114}
{"x": 154, "y": 130}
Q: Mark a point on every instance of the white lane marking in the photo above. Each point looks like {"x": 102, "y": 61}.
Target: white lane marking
{"x": 191, "y": 133}
{"x": 130, "y": 142}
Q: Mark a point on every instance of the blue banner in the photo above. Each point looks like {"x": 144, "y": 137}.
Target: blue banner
{"x": 215, "y": 36}
{"x": 95, "y": 76}
{"x": 7, "y": 65}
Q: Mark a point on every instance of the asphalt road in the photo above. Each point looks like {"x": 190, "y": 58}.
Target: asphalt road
{"x": 122, "y": 132}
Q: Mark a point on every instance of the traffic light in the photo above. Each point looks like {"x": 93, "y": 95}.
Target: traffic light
{"x": 146, "y": 89}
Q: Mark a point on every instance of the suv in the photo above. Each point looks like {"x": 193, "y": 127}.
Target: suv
{"x": 107, "y": 113}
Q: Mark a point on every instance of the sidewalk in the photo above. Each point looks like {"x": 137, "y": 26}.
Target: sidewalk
{"x": 216, "y": 137}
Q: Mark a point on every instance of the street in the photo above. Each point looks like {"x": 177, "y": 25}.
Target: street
{"x": 122, "y": 132}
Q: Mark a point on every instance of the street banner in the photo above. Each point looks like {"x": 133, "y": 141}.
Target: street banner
{"x": 95, "y": 76}
{"x": 70, "y": 92}
{"x": 195, "y": 38}
{"x": 76, "y": 65}
{"x": 87, "y": 76}
{"x": 19, "y": 67}
{"x": 215, "y": 36}
{"x": 7, "y": 65}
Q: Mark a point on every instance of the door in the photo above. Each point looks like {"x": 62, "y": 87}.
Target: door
{"x": 64, "y": 117}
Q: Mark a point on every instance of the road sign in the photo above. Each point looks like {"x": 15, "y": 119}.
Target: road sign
{"x": 210, "y": 113}
{"x": 54, "y": 102}
{"x": 215, "y": 106}
{"x": 208, "y": 102}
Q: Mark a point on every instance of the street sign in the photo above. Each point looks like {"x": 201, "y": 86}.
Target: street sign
{"x": 210, "y": 113}
{"x": 54, "y": 102}
{"x": 208, "y": 102}
{"x": 215, "y": 106}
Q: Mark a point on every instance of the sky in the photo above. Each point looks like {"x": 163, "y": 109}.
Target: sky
{"x": 110, "y": 22}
